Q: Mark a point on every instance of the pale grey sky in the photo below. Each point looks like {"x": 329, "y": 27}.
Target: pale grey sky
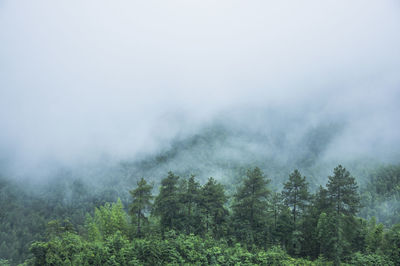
{"x": 83, "y": 78}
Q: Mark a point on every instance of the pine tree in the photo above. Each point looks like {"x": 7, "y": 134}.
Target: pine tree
{"x": 296, "y": 196}
{"x": 322, "y": 202}
{"x": 319, "y": 203}
{"x": 250, "y": 208}
{"x": 190, "y": 197}
{"x": 374, "y": 237}
{"x": 276, "y": 207}
{"x": 345, "y": 201}
{"x": 295, "y": 193}
{"x": 284, "y": 227}
{"x": 141, "y": 203}
{"x": 167, "y": 204}
{"x": 391, "y": 245}
{"x": 213, "y": 199}
{"x": 326, "y": 236}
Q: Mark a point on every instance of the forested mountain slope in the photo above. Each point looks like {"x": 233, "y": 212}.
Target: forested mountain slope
{"x": 188, "y": 222}
{"x": 381, "y": 194}
{"x": 222, "y": 151}
{"x": 25, "y": 213}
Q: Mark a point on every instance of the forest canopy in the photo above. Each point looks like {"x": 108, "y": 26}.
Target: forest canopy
{"x": 186, "y": 222}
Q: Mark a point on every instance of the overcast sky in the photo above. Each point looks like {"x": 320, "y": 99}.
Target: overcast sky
{"x": 83, "y": 78}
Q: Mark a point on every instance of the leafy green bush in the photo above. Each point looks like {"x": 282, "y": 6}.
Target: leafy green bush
{"x": 370, "y": 259}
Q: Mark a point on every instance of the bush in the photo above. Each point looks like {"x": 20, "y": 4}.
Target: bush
{"x": 370, "y": 259}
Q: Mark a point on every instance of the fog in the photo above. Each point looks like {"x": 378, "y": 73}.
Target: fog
{"x": 81, "y": 81}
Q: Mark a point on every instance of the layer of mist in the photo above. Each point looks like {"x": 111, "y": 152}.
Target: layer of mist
{"x": 198, "y": 87}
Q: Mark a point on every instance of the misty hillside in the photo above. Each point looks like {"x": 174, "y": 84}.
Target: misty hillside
{"x": 224, "y": 150}
{"x": 199, "y": 132}
{"x": 27, "y": 210}
{"x": 220, "y": 150}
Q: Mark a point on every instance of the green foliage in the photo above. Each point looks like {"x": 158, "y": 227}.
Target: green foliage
{"x": 370, "y": 260}
{"x": 21, "y": 221}
{"x": 391, "y": 245}
{"x": 191, "y": 200}
{"x": 342, "y": 192}
{"x": 345, "y": 201}
{"x": 141, "y": 204}
{"x": 250, "y": 208}
{"x": 167, "y": 205}
{"x": 192, "y": 224}
{"x": 385, "y": 180}
{"x": 326, "y": 236}
{"x": 4, "y": 262}
{"x": 212, "y": 202}
{"x": 284, "y": 227}
{"x": 295, "y": 193}
{"x": 114, "y": 248}
{"x": 66, "y": 249}
{"x": 381, "y": 195}
{"x": 296, "y": 196}
{"x": 374, "y": 238}
{"x": 107, "y": 220}
{"x": 276, "y": 209}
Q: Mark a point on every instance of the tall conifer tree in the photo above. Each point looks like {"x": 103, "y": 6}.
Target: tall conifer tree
{"x": 190, "y": 197}
{"x": 167, "y": 204}
{"x": 345, "y": 201}
{"x": 212, "y": 200}
{"x": 250, "y": 208}
{"x": 141, "y": 203}
{"x": 296, "y": 194}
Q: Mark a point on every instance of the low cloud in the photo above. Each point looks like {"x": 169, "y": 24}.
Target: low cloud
{"x": 81, "y": 80}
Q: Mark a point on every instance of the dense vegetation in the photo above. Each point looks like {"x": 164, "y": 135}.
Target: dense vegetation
{"x": 381, "y": 194}
{"x": 185, "y": 222}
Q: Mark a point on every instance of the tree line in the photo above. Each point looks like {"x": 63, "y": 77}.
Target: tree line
{"x": 187, "y": 222}
{"x": 302, "y": 223}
